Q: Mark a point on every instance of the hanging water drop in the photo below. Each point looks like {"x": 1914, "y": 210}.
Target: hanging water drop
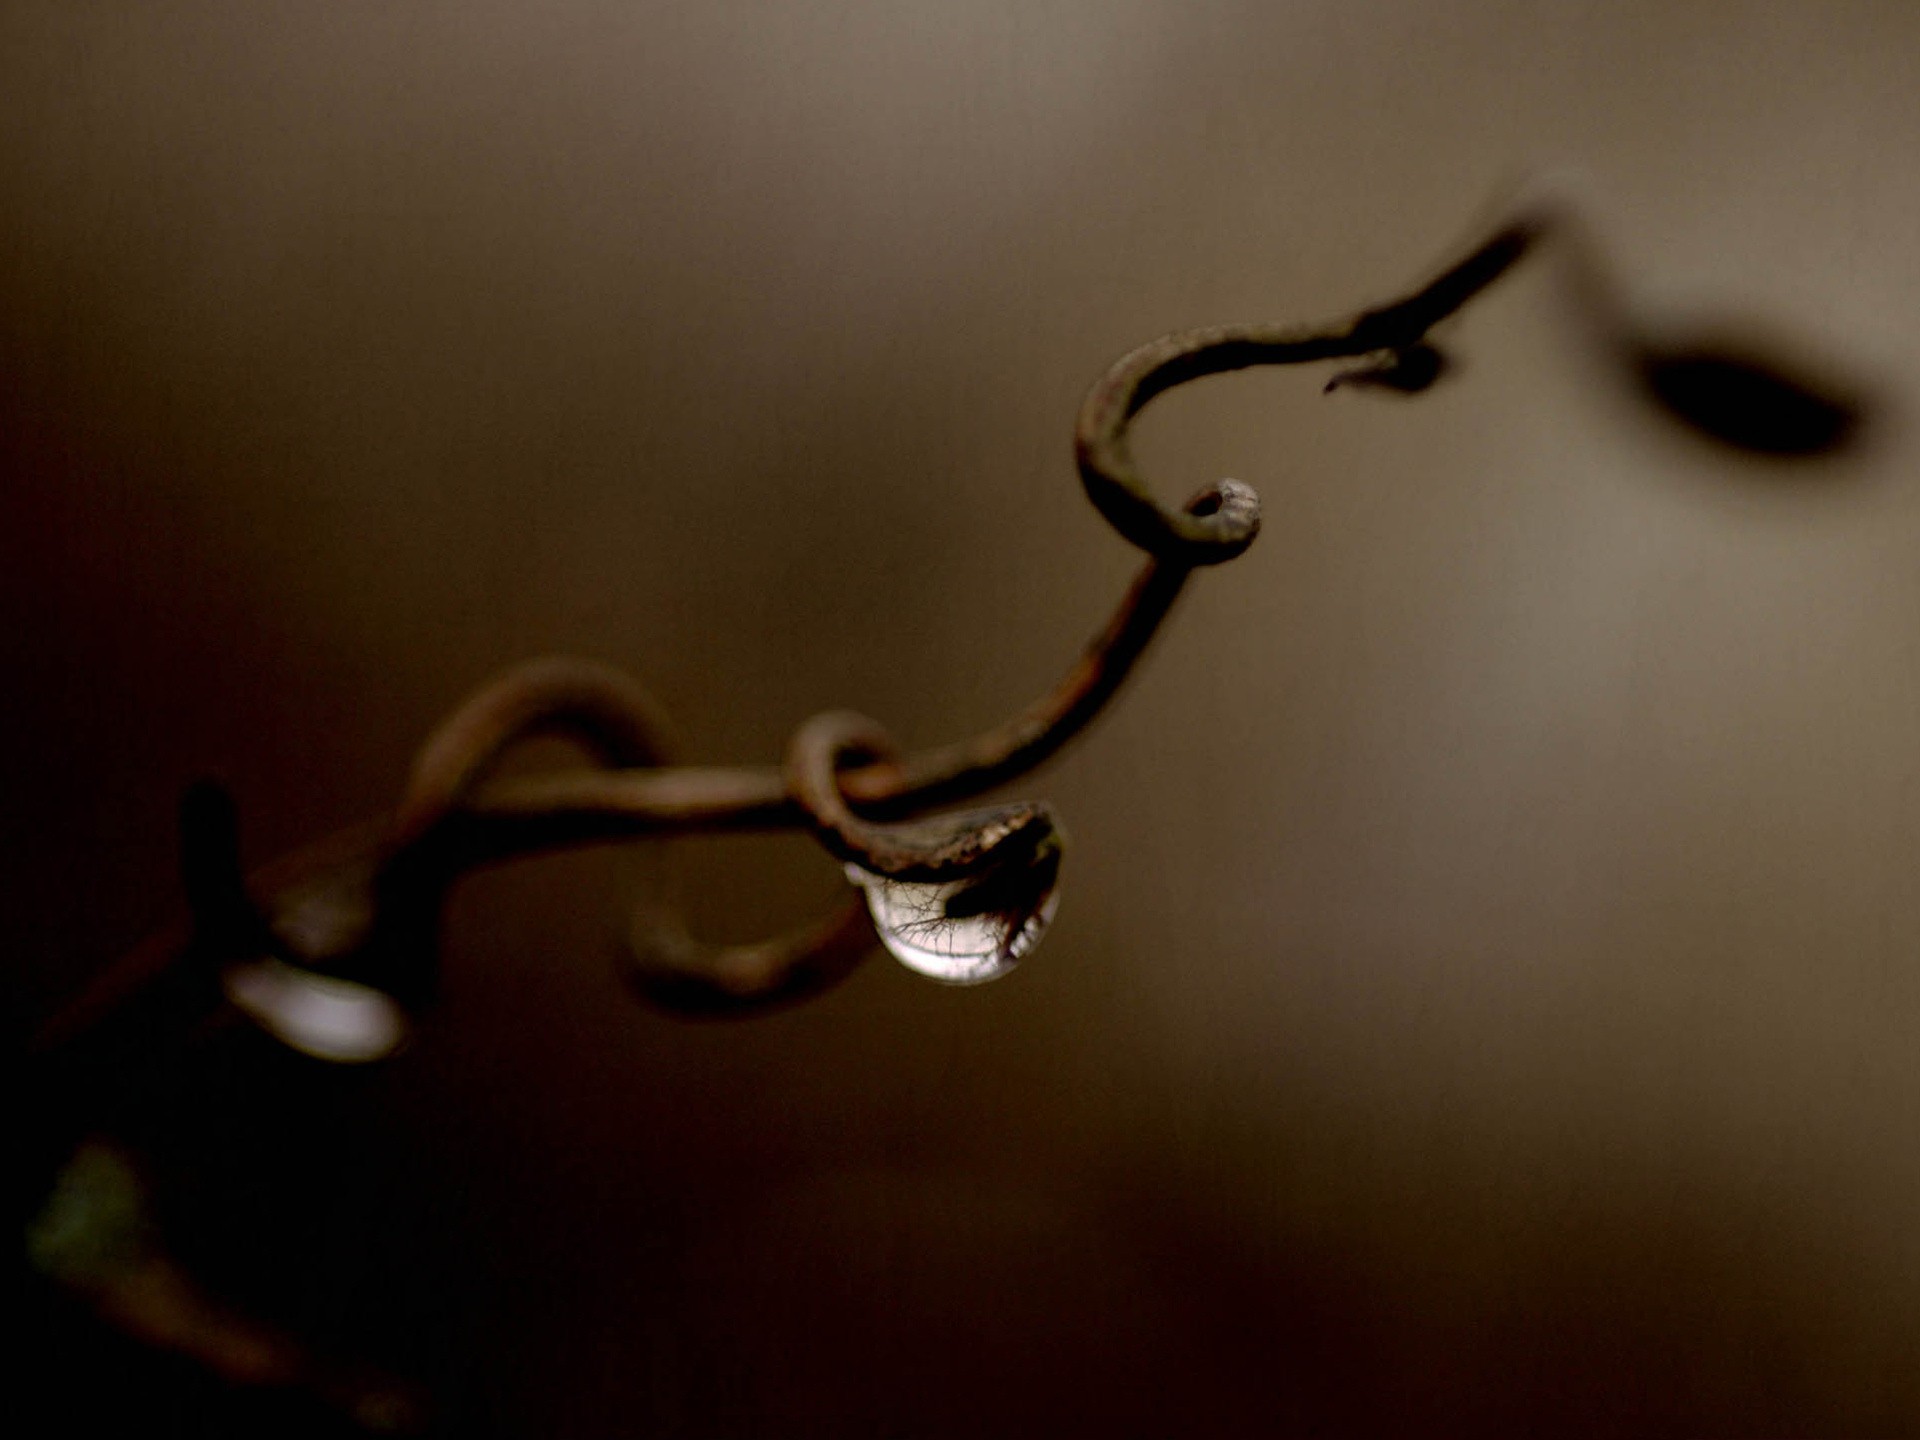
{"x": 318, "y": 1015}
{"x": 967, "y": 931}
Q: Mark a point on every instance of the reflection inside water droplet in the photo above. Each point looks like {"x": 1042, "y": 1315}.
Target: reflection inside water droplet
{"x": 966, "y": 932}
{"x": 318, "y": 1015}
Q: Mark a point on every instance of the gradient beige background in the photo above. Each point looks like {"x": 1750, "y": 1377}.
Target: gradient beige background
{"x": 1486, "y": 990}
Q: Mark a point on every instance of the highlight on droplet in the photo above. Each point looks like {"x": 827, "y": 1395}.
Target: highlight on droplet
{"x": 318, "y": 1015}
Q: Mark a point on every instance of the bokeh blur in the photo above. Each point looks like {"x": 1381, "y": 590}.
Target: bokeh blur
{"x": 1484, "y": 992}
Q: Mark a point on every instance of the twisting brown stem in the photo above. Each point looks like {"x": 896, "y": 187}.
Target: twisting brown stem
{"x": 671, "y": 969}
{"x": 595, "y": 704}
{"x": 366, "y": 901}
{"x": 1215, "y": 525}
{"x": 1209, "y": 536}
{"x": 452, "y": 818}
{"x": 616, "y": 719}
{"x": 543, "y": 812}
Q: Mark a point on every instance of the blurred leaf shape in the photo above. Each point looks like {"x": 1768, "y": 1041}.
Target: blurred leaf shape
{"x": 1757, "y": 405}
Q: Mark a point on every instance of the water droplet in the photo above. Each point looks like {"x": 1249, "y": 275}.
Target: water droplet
{"x": 318, "y": 1015}
{"x": 966, "y": 932}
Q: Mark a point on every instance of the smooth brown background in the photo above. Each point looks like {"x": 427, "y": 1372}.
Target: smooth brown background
{"x": 1486, "y": 989}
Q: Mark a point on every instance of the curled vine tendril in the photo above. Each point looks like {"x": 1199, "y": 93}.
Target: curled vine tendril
{"x": 330, "y": 932}
{"x": 364, "y": 904}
